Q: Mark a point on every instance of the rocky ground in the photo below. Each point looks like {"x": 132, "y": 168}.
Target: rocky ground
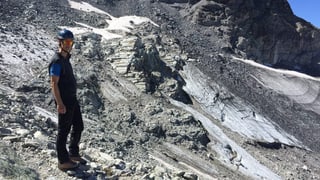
{"x": 132, "y": 130}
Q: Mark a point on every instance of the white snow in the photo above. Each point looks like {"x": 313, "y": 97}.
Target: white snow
{"x": 86, "y": 28}
{"x": 86, "y": 7}
{"x": 121, "y": 24}
{"x": 126, "y": 23}
{"x": 282, "y": 71}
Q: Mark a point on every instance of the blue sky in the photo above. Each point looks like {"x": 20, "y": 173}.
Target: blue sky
{"x": 309, "y": 10}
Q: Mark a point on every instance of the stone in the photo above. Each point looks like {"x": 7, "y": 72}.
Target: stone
{"x": 39, "y": 135}
{"x": 190, "y": 176}
{"x": 5, "y": 132}
{"x": 12, "y": 138}
{"x": 30, "y": 144}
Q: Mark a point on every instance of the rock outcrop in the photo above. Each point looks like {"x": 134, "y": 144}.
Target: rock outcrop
{"x": 266, "y": 32}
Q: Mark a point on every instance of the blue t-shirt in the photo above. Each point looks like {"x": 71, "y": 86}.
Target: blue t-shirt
{"x": 55, "y": 69}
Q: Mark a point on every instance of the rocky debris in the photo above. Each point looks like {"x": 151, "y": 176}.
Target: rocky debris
{"x": 37, "y": 134}
{"x": 32, "y": 137}
{"x": 132, "y": 131}
{"x": 218, "y": 60}
{"x": 12, "y": 167}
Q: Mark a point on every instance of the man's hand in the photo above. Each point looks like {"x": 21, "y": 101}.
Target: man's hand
{"x": 61, "y": 109}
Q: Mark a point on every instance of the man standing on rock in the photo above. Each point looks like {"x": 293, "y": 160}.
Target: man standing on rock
{"x": 63, "y": 85}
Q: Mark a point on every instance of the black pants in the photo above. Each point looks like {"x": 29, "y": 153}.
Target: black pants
{"x": 71, "y": 119}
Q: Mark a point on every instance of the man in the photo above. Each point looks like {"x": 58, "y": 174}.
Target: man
{"x": 63, "y": 85}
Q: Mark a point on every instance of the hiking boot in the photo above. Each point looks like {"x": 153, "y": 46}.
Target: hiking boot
{"x": 78, "y": 160}
{"x": 67, "y": 166}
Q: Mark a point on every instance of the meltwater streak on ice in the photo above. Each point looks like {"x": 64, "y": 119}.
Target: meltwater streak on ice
{"x": 253, "y": 126}
{"x": 252, "y": 166}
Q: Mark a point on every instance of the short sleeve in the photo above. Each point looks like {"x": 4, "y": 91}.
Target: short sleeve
{"x": 55, "y": 69}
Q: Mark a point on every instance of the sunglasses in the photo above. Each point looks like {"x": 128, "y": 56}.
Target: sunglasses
{"x": 68, "y": 42}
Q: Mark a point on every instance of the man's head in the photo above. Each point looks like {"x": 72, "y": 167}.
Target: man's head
{"x": 65, "y": 38}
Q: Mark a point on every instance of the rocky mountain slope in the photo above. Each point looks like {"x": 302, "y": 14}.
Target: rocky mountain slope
{"x": 166, "y": 89}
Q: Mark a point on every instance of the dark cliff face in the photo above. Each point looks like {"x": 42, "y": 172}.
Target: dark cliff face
{"x": 265, "y": 31}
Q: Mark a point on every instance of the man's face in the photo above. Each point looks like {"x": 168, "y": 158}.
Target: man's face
{"x": 67, "y": 44}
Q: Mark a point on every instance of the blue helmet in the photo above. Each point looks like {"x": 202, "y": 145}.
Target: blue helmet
{"x": 65, "y": 34}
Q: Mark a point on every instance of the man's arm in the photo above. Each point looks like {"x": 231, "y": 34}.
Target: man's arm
{"x": 56, "y": 92}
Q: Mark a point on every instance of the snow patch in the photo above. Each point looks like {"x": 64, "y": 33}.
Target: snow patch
{"x": 301, "y": 88}
{"x": 282, "y": 71}
{"x": 86, "y": 7}
{"x": 122, "y": 24}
